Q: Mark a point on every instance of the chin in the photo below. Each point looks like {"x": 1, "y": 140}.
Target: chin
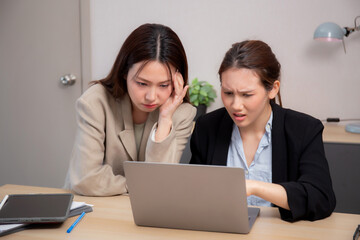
{"x": 241, "y": 124}
{"x": 149, "y": 110}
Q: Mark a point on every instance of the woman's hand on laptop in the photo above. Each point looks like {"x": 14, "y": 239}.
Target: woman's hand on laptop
{"x": 274, "y": 193}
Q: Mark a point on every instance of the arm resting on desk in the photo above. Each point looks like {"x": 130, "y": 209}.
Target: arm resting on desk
{"x": 309, "y": 187}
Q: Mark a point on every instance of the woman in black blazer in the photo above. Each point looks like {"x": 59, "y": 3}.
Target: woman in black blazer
{"x": 299, "y": 181}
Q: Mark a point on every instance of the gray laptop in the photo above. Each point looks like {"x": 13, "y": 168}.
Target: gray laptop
{"x": 196, "y": 197}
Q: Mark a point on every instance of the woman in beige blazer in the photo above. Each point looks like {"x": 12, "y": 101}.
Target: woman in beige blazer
{"x": 139, "y": 112}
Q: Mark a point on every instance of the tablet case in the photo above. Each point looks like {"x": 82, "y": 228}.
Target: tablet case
{"x": 6, "y": 229}
{"x": 36, "y": 208}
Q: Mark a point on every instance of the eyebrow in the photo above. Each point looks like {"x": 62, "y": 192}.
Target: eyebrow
{"x": 241, "y": 91}
{"x": 145, "y": 80}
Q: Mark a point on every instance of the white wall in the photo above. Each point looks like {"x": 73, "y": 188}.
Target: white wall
{"x": 317, "y": 78}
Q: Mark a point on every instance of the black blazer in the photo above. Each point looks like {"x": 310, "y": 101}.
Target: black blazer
{"x": 298, "y": 158}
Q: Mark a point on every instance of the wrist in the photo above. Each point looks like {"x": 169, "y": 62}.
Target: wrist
{"x": 255, "y": 187}
{"x": 163, "y": 129}
{"x": 164, "y": 122}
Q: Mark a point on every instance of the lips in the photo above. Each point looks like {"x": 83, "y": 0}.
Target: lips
{"x": 150, "y": 106}
{"x": 239, "y": 116}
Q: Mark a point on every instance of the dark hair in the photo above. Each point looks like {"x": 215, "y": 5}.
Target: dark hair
{"x": 257, "y": 56}
{"x": 149, "y": 42}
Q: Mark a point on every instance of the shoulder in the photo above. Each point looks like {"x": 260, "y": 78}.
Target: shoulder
{"x": 213, "y": 118}
{"x": 95, "y": 93}
{"x": 185, "y": 111}
{"x": 296, "y": 122}
{"x": 300, "y": 119}
{"x": 98, "y": 100}
{"x": 211, "y": 122}
{"x": 97, "y": 96}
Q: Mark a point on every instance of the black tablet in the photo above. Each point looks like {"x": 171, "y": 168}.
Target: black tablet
{"x": 36, "y": 208}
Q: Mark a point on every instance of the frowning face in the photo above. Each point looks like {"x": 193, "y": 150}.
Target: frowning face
{"x": 245, "y": 98}
{"x": 149, "y": 88}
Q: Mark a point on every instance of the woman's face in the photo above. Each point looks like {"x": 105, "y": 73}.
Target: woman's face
{"x": 149, "y": 88}
{"x": 245, "y": 98}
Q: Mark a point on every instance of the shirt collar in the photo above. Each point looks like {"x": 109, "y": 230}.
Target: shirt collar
{"x": 268, "y": 126}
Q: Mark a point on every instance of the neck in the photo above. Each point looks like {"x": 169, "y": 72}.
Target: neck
{"x": 139, "y": 116}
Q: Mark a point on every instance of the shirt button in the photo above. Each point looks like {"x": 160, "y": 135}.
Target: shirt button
{"x": 247, "y": 172}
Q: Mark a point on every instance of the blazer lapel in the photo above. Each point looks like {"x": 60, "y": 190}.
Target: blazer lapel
{"x": 222, "y": 141}
{"x": 126, "y": 133}
{"x": 279, "y": 149}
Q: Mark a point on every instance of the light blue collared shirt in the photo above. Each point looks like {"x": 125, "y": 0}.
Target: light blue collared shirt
{"x": 261, "y": 167}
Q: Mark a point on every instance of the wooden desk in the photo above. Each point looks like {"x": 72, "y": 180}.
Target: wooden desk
{"x": 336, "y": 133}
{"x": 112, "y": 219}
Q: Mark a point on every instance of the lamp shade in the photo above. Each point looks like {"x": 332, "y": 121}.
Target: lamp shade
{"x": 329, "y": 32}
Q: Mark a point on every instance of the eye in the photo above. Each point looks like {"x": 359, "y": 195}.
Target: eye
{"x": 164, "y": 85}
{"x": 228, "y": 93}
{"x": 141, "y": 84}
{"x": 247, "y": 95}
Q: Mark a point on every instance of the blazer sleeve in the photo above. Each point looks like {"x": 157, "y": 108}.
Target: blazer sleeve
{"x": 311, "y": 197}
{"x": 88, "y": 174}
{"x": 171, "y": 148}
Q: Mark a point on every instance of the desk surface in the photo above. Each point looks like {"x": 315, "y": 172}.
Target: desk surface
{"x": 112, "y": 219}
{"x": 335, "y": 133}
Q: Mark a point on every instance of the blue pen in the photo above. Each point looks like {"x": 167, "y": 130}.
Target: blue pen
{"x": 76, "y": 222}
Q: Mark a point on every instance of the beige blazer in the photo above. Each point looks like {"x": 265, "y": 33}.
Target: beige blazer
{"x": 105, "y": 139}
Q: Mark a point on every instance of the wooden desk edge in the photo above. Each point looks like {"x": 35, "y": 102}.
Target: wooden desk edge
{"x": 336, "y": 133}
{"x": 337, "y": 226}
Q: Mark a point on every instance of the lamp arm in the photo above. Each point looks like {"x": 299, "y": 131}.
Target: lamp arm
{"x": 349, "y": 30}
{"x": 357, "y": 27}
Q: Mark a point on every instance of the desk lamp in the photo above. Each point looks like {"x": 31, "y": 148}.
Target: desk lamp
{"x": 331, "y": 32}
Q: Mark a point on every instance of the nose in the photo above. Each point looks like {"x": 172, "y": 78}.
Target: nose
{"x": 150, "y": 95}
{"x": 237, "y": 103}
